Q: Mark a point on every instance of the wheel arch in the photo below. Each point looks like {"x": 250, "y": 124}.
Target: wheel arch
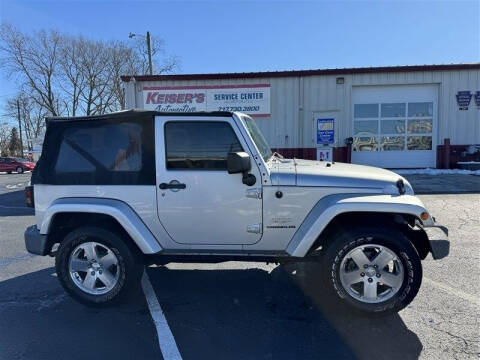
{"x": 346, "y": 210}
{"x": 64, "y": 215}
{"x": 401, "y": 221}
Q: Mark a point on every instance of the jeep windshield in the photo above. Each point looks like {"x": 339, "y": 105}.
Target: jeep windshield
{"x": 258, "y": 138}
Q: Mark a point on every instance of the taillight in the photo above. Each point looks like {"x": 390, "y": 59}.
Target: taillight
{"x": 29, "y": 199}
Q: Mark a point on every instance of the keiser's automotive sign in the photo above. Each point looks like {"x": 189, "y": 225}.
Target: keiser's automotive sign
{"x": 253, "y": 99}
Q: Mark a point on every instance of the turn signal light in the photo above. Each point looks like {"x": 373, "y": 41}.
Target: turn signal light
{"x": 424, "y": 216}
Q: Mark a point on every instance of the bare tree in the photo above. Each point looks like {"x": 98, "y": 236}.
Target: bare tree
{"x": 72, "y": 81}
{"x": 94, "y": 67}
{"x": 72, "y": 75}
{"x": 168, "y": 63}
{"x": 34, "y": 59}
{"x": 122, "y": 60}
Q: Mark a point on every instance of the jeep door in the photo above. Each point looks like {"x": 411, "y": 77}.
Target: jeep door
{"x": 199, "y": 203}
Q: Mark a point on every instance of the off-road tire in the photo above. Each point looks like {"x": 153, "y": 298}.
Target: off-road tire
{"x": 345, "y": 240}
{"x": 130, "y": 265}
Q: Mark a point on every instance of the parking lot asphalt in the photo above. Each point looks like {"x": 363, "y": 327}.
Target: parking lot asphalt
{"x": 444, "y": 184}
{"x": 239, "y": 310}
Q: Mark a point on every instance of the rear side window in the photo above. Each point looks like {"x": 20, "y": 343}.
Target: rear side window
{"x": 113, "y": 147}
{"x": 199, "y": 145}
{"x": 98, "y": 152}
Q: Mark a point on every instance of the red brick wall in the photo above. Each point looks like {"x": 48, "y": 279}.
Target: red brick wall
{"x": 454, "y": 156}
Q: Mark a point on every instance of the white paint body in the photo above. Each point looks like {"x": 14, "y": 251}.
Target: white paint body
{"x": 213, "y": 213}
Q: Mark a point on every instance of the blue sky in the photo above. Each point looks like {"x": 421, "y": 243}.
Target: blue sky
{"x": 233, "y": 36}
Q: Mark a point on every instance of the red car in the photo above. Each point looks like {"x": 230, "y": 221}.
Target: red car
{"x": 8, "y": 165}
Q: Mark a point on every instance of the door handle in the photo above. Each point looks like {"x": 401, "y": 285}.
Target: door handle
{"x": 174, "y": 185}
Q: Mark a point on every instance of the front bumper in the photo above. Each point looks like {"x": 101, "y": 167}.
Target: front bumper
{"x": 35, "y": 242}
{"x": 439, "y": 243}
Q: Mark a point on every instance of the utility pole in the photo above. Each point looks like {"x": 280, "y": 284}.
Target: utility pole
{"x": 20, "y": 128}
{"x": 149, "y": 49}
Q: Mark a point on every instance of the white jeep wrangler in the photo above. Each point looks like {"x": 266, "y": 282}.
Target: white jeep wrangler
{"x": 115, "y": 192}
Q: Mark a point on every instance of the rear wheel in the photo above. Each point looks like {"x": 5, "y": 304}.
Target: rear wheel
{"x": 97, "y": 266}
{"x": 19, "y": 170}
{"x": 374, "y": 270}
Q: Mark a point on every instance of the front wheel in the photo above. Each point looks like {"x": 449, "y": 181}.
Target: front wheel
{"x": 374, "y": 270}
{"x": 19, "y": 170}
{"x": 97, "y": 266}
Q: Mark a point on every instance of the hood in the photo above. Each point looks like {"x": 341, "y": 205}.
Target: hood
{"x": 298, "y": 172}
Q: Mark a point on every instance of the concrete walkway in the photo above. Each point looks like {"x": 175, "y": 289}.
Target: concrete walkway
{"x": 444, "y": 184}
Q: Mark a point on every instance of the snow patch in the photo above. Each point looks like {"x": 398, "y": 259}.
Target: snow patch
{"x": 429, "y": 171}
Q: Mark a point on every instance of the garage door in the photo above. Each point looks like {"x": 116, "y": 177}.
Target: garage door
{"x": 394, "y": 126}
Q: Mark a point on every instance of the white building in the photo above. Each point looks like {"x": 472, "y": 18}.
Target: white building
{"x": 394, "y": 117}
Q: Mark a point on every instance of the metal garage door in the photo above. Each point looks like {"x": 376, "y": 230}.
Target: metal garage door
{"x": 394, "y": 126}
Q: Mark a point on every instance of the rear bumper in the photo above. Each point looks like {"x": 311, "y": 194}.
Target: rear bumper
{"x": 439, "y": 243}
{"x": 35, "y": 242}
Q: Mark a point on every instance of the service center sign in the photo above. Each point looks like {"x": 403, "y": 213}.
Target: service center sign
{"x": 252, "y": 99}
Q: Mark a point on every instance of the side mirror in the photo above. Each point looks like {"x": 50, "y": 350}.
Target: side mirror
{"x": 239, "y": 162}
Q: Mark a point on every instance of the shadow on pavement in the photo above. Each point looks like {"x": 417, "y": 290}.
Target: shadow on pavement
{"x": 13, "y": 204}
{"x": 368, "y": 337}
{"x": 253, "y": 314}
{"x": 39, "y": 321}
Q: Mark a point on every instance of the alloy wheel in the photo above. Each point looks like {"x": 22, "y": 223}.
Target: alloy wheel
{"x": 94, "y": 268}
{"x": 371, "y": 273}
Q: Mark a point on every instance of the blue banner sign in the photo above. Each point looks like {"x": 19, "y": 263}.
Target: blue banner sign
{"x": 477, "y": 98}
{"x": 463, "y": 99}
{"x": 326, "y": 131}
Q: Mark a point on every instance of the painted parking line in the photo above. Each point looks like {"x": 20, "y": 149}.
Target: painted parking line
{"x": 166, "y": 341}
{"x": 15, "y": 186}
{"x": 458, "y": 293}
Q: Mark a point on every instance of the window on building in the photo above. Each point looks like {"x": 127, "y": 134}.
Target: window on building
{"x": 199, "y": 145}
{"x": 393, "y": 110}
{"x": 392, "y": 128}
{"x": 365, "y": 127}
{"x": 363, "y": 111}
{"x": 420, "y": 124}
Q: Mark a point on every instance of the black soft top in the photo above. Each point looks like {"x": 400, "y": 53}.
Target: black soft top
{"x": 137, "y": 113}
{"x": 103, "y": 149}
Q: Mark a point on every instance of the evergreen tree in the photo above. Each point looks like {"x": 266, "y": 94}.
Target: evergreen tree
{"x": 14, "y": 144}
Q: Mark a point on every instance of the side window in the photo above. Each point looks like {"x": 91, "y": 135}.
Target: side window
{"x": 109, "y": 147}
{"x": 71, "y": 161}
{"x": 199, "y": 145}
